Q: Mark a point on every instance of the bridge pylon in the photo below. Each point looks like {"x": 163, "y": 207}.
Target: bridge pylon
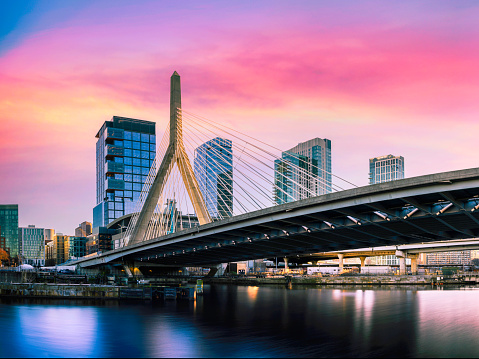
{"x": 175, "y": 153}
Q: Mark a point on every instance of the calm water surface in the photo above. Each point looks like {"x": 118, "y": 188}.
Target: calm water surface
{"x": 240, "y": 321}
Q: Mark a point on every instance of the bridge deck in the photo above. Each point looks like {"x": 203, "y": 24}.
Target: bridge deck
{"x": 375, "y": 215}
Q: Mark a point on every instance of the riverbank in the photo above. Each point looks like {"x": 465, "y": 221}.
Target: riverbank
{"x": 178, "y": 288}
{"x": 349, "y": 280}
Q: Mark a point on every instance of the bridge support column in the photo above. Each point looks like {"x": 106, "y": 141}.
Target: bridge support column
{"x": 414, "y": 258}
{"x": 402, "y": 262}
{"x": 286, "y": 268}
{"x": 402, "y": 265}
{"x": 363, "y": 263}
{"x": 341, "y": 262}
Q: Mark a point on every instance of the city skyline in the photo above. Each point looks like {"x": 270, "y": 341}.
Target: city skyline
{"x": 374, "y": 77}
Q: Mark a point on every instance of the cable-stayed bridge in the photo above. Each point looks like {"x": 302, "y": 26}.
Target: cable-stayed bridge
{"x": 215, "y": 195}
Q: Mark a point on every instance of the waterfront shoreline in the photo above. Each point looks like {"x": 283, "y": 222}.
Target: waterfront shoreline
{"x": 61, "y": 291}
{"x": 153, "y": 287}
{"x": 349, "y": 280}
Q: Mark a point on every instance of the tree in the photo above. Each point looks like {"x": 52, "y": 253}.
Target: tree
{"x": 475, "y": 262}
{"x": 4, "y": 257}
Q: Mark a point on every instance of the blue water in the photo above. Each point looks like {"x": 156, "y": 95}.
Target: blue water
{"x": 240, "y": 321}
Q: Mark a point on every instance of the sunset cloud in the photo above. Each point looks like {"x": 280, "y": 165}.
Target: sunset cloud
{"x": 374, "y": 77}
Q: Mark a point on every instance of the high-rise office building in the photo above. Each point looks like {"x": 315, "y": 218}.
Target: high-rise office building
{"x": 32, "y": 245}
{"x": 386, "y": 168}
{"x": 303, "y": 171}
{"x": 213, "y": 167}
{"x": 125, "y": 150}
{"x": 9, "y": 228}
{"x": 84, "y": 229}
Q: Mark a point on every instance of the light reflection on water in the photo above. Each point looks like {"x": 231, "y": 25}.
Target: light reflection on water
{"x": 237, "y": 321}
{"x": 448, "y": 316}
{"x": 67, "y": 324}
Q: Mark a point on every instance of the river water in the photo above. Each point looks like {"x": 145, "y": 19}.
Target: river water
{"x": 242, "y": 321}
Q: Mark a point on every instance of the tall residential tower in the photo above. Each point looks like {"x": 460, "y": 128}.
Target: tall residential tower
{"x": 386, "y": 168}
{"x": 303, "y": 171}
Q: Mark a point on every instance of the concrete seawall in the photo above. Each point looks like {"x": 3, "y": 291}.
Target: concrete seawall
{"x": 76, "y": 291}
{"x": 98, "y": 292}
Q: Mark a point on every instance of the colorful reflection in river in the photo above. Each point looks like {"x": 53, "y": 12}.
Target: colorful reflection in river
{"x": 237, "y": 321}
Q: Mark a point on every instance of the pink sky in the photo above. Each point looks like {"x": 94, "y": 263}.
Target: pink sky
{"x": 374, "y": 77}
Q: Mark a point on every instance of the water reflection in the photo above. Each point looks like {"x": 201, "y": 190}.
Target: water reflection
{"x": 252, "y": 292}
{"x": 448, "y": 316}
{"x": 240, "y": 321}
{"x": 170, "y": 337}
{"x": 75, "y": 326}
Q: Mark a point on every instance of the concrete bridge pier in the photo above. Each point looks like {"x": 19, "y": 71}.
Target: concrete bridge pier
{"x": 341, "y": 262}
{"x": 363, "y": 263}
{"x": 414, "y": 258}
{"x": 286, "y": 268}
{"x": 402, "y": 262}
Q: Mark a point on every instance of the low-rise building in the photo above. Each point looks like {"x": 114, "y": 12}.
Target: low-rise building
{"x": 77, "y": 247}
{"x": 49, "y": 255}
{"x": 100, "y": 241}
{"x": 32, "y": 245}
{"x": 449, "y": 258}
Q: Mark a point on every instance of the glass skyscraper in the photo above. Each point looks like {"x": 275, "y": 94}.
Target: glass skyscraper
{"x": 125, "y": 150}
{"x": 303, "y": 171}
{"x": 386, "y": 168}
{"x": 293, "y": 174}
{"x": 213, "y": 167}
{"x": 9, "y": 228}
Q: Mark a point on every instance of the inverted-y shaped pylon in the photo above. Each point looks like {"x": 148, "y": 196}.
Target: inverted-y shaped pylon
{"x": 175, "y": 153}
